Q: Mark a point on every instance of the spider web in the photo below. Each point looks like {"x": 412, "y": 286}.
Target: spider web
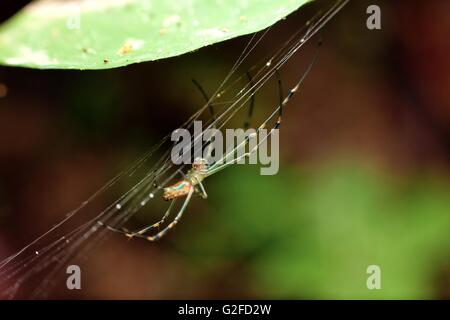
{"x": 34, "y": 268}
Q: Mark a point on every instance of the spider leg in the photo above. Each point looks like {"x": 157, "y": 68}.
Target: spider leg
{"x": 280, "y": 97}
{"x": 252, "y": 101}
{"x": 225, "y": 165}
{"x": 155, "y": 225}
{"x": 282, "y": 104}
{"x": 206, "y": 97}
{"x": 202, "y": 191}
{"x": 213, "y": 116}
{"x": 199, "y": 188}
{"x": 140, "y": 232}
{"x": 161, "y": 234}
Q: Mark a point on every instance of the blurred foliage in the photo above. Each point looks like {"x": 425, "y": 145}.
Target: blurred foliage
{"x": 105, "y": 34}
{"x": 313, "y": 235}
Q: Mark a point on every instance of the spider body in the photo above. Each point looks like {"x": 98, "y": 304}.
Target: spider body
{"x": 178, "y": 190}
{"x": 193, "y": 177}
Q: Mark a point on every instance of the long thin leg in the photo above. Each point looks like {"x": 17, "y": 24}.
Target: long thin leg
{"x": 206, "y": 97}
{"x": 155, "y": 225}
{"x": 202, "y": 192}
{"x": 161, "y": 234}
{"x": 282, "y": 104}
{"x": 199, "y": 188}
{"x": 252, "y": 101}
{"x": 223, "y": 166}
{"x": 133, "y": 234}
{"x": 280, "y": 95}
{"x": 211, "y": 109}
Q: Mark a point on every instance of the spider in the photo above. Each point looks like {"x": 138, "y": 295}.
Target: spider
{"x": 192, "y": 181}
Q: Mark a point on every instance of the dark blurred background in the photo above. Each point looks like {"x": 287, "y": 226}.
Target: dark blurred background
{"x": 364, "y": 174}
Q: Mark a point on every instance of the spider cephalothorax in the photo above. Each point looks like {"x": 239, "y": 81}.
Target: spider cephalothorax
{"x": 200, "y": 164}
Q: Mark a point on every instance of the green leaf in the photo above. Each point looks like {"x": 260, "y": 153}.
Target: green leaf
{"x": 102, "y": 34}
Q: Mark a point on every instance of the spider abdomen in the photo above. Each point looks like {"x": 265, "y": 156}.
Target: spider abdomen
{"x": 179, "y": 189}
